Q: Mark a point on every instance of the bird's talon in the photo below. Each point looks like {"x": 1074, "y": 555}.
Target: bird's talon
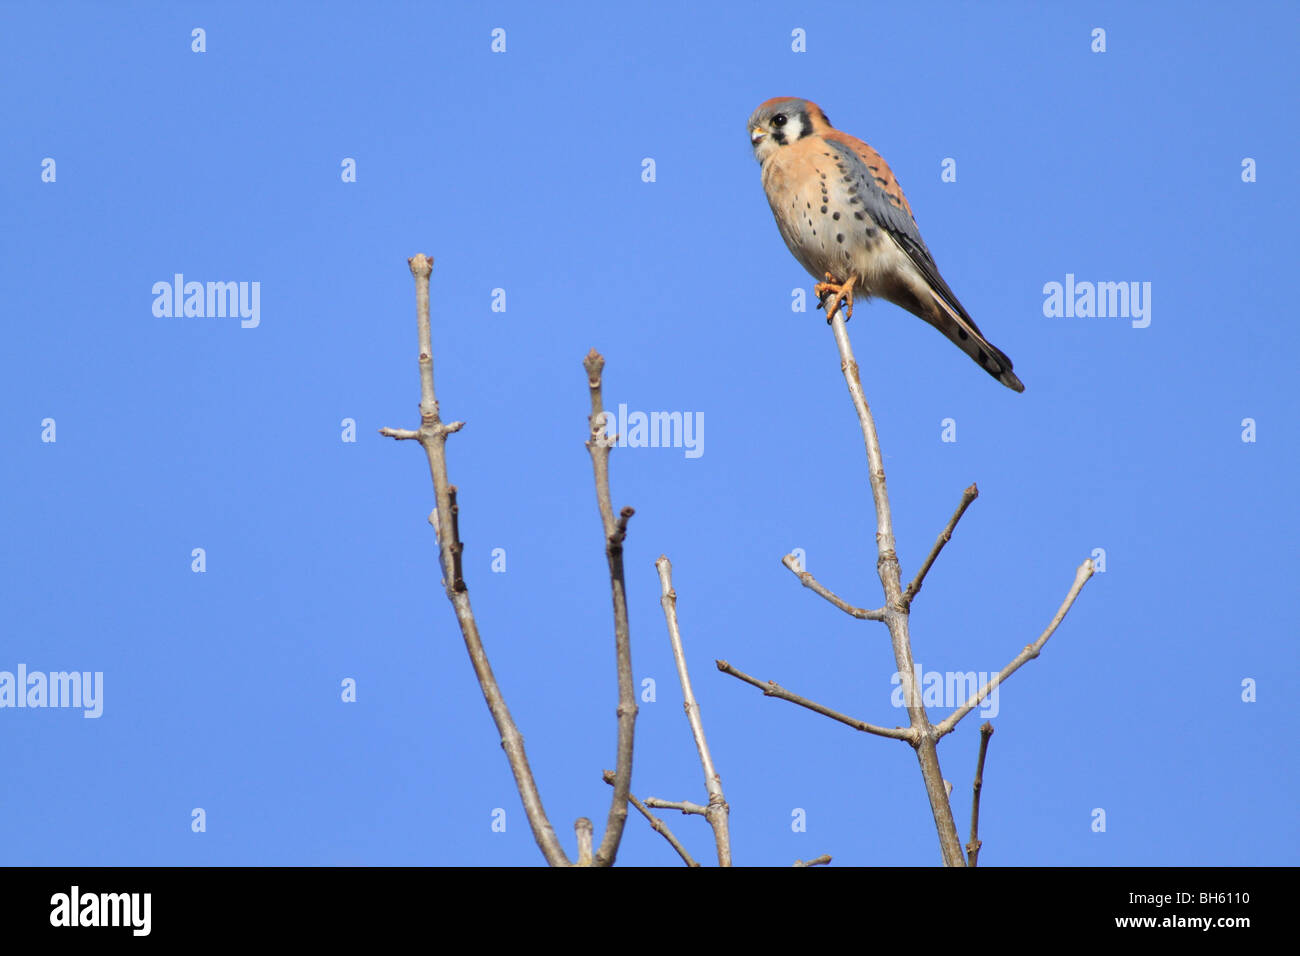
{"x": 841, "y": 292}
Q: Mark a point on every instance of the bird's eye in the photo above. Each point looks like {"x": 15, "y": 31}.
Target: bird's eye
{"x": 778, "y": 119}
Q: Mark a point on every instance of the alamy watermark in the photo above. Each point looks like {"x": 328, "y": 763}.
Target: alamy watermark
{"x": 210, "y": 300}
{"x": 949, "y": 689}
{"x": 1103, "y": 300}
{"x": 83, "y": 689}
{"x": 128, "y": 910}
{"x": 657, "y": 430}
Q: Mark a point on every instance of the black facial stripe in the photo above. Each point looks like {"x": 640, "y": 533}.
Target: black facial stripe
{"x": 805, "y": 125}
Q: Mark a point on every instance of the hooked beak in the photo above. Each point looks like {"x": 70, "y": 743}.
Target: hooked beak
{"x": 756, "y": 134}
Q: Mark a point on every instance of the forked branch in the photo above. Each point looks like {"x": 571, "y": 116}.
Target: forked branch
{"x": 432, "y": 436}
{"x": 718, "y": 810}
{"x": 598, "y": 444}
{"x": 896, "y": 605}
{"x": 656, "y": 824}
{"x": 921, "y": 734}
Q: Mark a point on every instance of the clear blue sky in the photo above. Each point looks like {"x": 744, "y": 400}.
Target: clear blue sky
{"x": 522, "y": 171}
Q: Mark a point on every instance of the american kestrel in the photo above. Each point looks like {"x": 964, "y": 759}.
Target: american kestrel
{"x": 844, "y": 217}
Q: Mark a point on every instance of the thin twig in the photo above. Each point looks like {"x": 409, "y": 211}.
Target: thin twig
{"x": 812, "y": 584}
{"x": 773, "y": 689}
{"x": 659, "y": 826}
{"x": 683, "y": 806}
{"x": 1031, "y": 651}
{"x": 598, "y": 444}
{"x": 921, "y": 736}
{"x": 967, "y": 496}
{"x": 583, "y": 828}
{"x": 432, "y": 435}
{"x": 457, "y": 545}
{"x": 718, "y": 811}
{"x": 815, "y": 861}
{"x": 973, "y": 847}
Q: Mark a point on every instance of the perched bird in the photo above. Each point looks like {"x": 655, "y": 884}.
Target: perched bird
{"x": 844, "y": 217}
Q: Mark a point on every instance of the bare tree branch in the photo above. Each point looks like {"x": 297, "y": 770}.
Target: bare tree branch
{"x": 922, "y": 736}
{"x": 685, "y": 806}
{"x": 432, "y": 435}
{"x": 811, "y": 583}
{"x": 973, "y": 847}
{"x": 1031, "y": 651}
{"x": 662, "y": 829}
{"x": 967, "y": 496}
{"x": 659, "y": 826}
{"x": 718, "y": 811}
{"x": 773, "y": 689}
{"x": 583, "y": 828}
{"x": 598, "y": 444}
{"x": 457, "y": 546}
{"x": 815, "y": 861}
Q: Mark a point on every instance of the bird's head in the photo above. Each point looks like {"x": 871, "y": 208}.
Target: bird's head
{"x": 782, "y": 121}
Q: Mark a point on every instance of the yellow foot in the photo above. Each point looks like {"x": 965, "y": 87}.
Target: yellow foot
{"x": 841, "y": 291}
